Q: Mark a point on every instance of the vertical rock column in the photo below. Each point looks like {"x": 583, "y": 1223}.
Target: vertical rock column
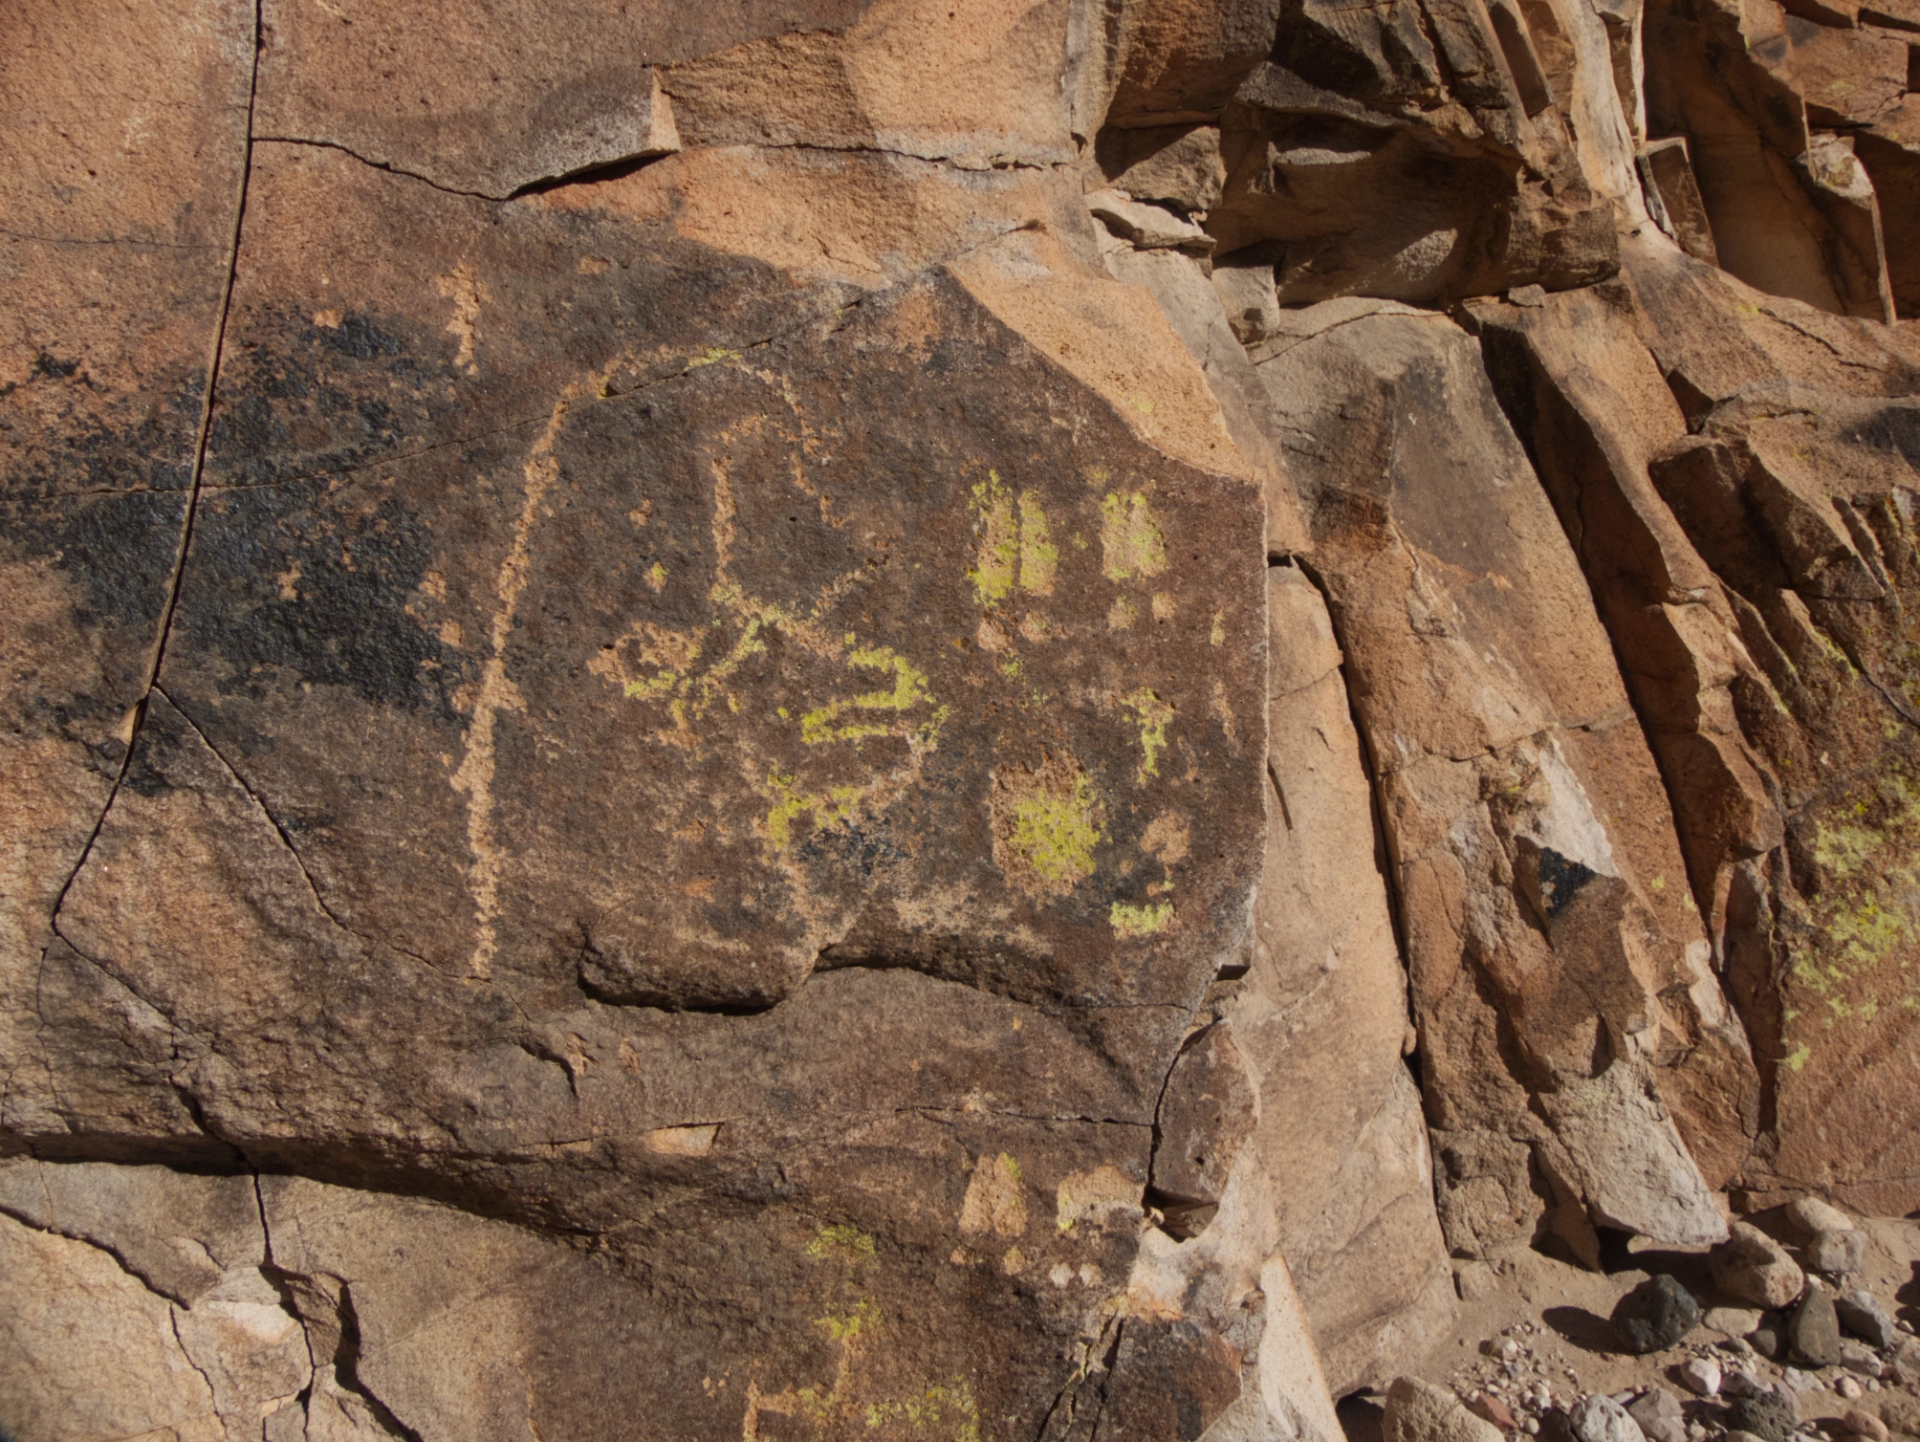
{"x": 1550, "y": 951}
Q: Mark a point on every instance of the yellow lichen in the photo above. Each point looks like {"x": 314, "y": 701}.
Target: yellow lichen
{"x": 1131, "y": 541}
{"x": 838, "y": 803}
{"x": 1039, "y": 557}
{"x": 1153, "y": 716}
{"x": 847, "y": 1326}
{"x": 997, "y": 556}
{"x": 909, "y": 690}
{"x": 936, "y": 1407}
{"x": 1057, "y": 835}
{"x": 1843, "y": 849}
{"x": 840, "y": 1237}
{"x": 1134, "y": 921}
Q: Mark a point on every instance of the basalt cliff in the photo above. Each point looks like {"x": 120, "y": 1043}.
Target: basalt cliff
{"x": 932, "y": 720}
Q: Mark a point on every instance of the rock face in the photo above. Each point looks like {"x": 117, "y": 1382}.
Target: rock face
{"x": 967, "y": 721}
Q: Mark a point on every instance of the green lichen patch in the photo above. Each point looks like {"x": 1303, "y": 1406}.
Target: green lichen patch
{"x": 996, "y": 565}
{"x": 1152, "y": 716}
{"x": 1132, "y": 544}
{"x": 840, "y": 1239}
{"x": 909, "y": 692}
{"x": 1014, "y": 543}
{"x": 1136, "y": 921}
{"x": 1039, "y": 557}
{"x": 1046, "y": 825}
{"x": 947, "y": 1412}
{"x": 1856, "y": 916}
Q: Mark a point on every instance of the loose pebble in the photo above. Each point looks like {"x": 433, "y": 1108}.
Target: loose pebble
{"x": 1701, "y": 1376}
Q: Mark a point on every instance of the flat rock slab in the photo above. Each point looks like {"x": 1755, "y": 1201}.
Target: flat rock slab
{"x": 693, "y": 757}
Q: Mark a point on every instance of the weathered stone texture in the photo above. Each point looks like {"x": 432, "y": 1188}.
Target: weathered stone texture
{"x": 880, "y": 719}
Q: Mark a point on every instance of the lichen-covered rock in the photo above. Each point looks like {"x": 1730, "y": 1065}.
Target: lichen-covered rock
{"x": 973, "y": 718}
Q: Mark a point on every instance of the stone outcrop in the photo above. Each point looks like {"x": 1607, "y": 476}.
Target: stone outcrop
{"x": 968, "y": 721}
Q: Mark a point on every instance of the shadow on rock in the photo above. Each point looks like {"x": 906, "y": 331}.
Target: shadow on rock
{"x": 1361, "y": 1418}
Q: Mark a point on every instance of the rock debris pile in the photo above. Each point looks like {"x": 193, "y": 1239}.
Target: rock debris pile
{"x": 940, "y": 720}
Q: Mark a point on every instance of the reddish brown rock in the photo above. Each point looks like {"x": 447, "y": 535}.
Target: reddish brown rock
{"x": 643, "y": 707}
{"x": 1525, "y": 818}
{"x": 1746, "y": 562}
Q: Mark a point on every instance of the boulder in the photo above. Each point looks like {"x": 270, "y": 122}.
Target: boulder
{"x": 1545, "y": 874}
{"x": 1599, "y": 1418}
{"x": 1005, "y": 719}
{"x": 1813, "y": 1216}
{"x": 1837, "y": 1253}
{"x": 1753, "y": 1267}
{"x": 1655, "y": 1315}
{"x": 1734, "y": 1321}
{"x": 1701, "y": 1376}
{"x": 1657, "y": 1413}
{"x": 1863, "y": 1316}
{"x": 1768, "y": 1415}
{"x": 1418, "y": 1411}
{"x": 1813, "y": 1331}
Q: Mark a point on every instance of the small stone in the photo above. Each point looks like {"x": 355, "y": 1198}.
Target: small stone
{"x": 1862, "y": 1423}
{"x": 1734, "y": 1321}
{"x": 1701, "y": 1376}
{"x": 1754, "y": 1268}
{"x": 1601, "y": 1419}
{"x": 1768, "y": 1416}
{"x": 1850, "y": 1388}
{"x": 1735, "y": 1436}
{"x": 1418, "y": 1411}
{"x": 1813, "y": 1216}
{"x": 1531, "y": 1426}
{"x": 1738, "y": 1383}
{"x": 1769, "y": 1339}
{"x": 1657, "y": 1413}
{"x": 1800, "y": 1381}
{"x": 1655, "y": 1315}
{"x": 1486, "y": 1405}
{"x": 1813, "y": 1332}
{"x": 1858, "y": 1357}
{"x": 1696, "y": 1431}
{"x": 1862, "y": 1316}
{"x": 1837, "y": 1252}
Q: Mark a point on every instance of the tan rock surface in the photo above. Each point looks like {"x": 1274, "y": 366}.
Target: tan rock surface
{"x": 1522, "y": 814}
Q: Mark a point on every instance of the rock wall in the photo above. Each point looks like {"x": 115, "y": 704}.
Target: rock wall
{"x": 865, "y": 718}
